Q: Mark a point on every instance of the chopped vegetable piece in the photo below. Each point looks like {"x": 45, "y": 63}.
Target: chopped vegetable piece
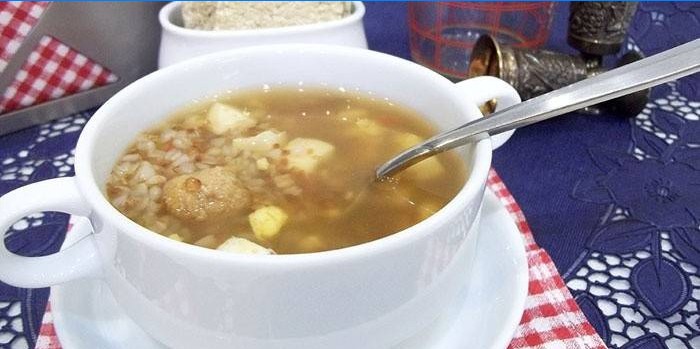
{"x": 305, "y": 154}
{"x": 267, "y": 222}
{"x": 262, "y": 143}
{"x": 208, "y": 241}
{"x": 175, "y": 237}
{"x": 223, "y": 118}
{"x": 243, "y": 246}
{"x": 427, "y": 169}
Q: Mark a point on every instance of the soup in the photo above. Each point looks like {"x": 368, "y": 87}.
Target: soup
{"x": 281, "y": 170}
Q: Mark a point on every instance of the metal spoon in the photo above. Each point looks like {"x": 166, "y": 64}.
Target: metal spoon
{"x": 663, "y": 67}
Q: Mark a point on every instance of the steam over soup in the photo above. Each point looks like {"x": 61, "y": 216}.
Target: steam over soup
{"x": 281, "y": 170}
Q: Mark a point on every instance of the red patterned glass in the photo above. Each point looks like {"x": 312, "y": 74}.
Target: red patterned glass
{"x": 442, "y": 34}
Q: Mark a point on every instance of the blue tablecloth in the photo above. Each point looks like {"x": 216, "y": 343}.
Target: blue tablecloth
{"x": 615, "y": 201}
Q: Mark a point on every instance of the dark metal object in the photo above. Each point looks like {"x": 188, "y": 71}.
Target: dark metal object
{"x": 534, "y": 72}
{"x": 599, "y": 28}
{"x": 633, "y": 103}
{"x": 531, "y": 72}
{"x": 121, "y": 36}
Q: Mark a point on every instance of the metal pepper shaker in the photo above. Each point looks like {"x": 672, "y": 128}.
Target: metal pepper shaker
{"x": 599, "y": 27}
{"x": 533, "y": 72}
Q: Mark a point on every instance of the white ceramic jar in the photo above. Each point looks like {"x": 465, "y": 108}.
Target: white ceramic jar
{"x": 178, "y": 43}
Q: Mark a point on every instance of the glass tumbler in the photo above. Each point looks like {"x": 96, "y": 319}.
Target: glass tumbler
{"x": 442, "y": 34}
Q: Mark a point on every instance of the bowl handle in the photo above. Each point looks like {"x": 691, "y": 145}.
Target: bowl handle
{"x": 483, "y": 89}
{"x": 77, "y": 261}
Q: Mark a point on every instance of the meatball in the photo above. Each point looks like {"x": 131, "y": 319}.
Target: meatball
{"x": 210, "y": 193}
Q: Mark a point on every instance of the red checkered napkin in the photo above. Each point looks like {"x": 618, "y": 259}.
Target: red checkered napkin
{"x": 552, "y": 319}
{"x": 53, "y": 70}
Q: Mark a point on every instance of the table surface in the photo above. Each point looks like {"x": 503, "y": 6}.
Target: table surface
{"x": 615, "y": 201}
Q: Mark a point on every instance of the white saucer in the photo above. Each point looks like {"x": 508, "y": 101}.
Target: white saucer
{"x": 86, "y": 316}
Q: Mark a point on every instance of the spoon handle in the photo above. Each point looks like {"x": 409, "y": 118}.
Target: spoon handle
{"x": 651, "y": 71}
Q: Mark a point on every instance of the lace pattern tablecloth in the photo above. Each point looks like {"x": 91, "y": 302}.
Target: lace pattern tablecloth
{"x": 616, "y": 202}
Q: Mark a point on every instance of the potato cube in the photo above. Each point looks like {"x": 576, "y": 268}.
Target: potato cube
{"x": 224, "y": 118}
{"x": 262, "y": 143}
{"x": 208, "y": 241}
{"x": 305, "y": 154}
{"x": 243, "y": 246}
{"x": 427, "y": 169}
{"x": 267, "y": 222}
{"x": 175, "y": 237}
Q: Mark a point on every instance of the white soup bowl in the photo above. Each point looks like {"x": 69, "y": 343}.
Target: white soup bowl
{"x": 372, "y": 295}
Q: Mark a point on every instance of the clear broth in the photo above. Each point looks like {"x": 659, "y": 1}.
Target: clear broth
{"x": 335, "y": 205}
